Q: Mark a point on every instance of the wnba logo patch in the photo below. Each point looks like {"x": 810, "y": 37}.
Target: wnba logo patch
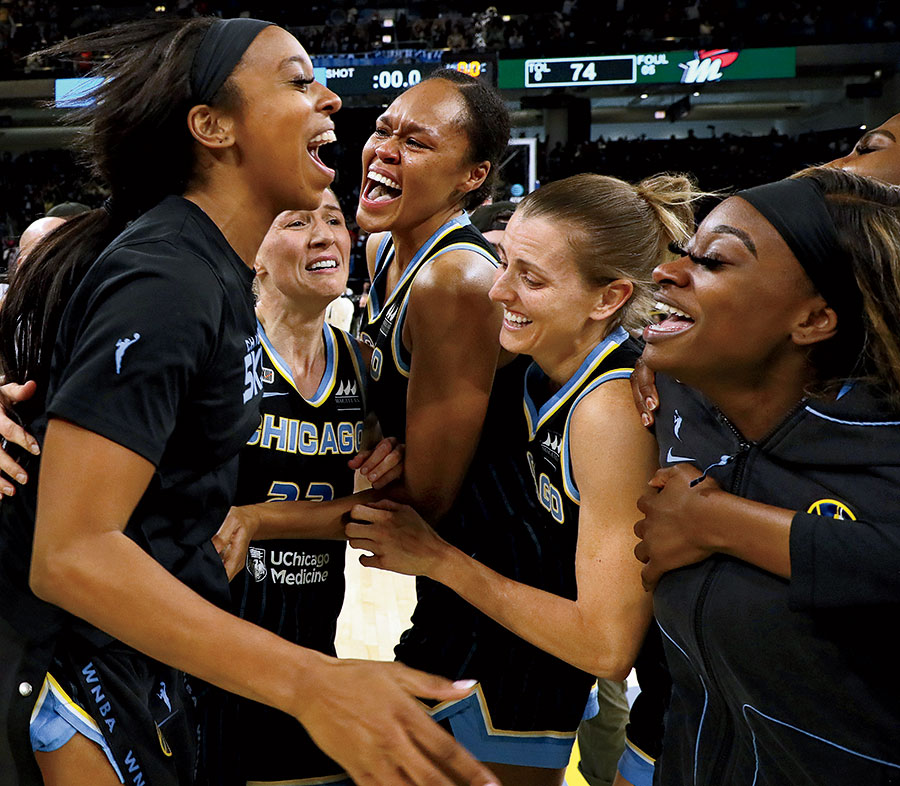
{"x": 832, "y": 509}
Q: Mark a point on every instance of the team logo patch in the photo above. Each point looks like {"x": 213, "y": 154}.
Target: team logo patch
{"x": 832, "y": 509}
{"x": 347, "y": 394}
{"x": 551, "y": 445}
{"x": 707, "y": 66}
{"x": 256, "y": 563}
{"x": 268, "y": 375}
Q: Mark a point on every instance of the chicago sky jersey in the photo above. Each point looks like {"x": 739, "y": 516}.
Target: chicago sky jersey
{"x": 383, "y": 322}
{"x": 548, "y": 424}
{"x": 300, "y": 450}
{"x": 293, "y": 587}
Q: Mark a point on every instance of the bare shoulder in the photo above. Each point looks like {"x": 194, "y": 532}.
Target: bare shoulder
{"x": 606, "y": 417}
{"x": 457, "y": 274}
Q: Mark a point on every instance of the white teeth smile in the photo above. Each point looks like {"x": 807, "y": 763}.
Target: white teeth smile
{"x": 516, "y": 319}
{"x": 322, "y": 139}
{"x": 665, "y": 308}
{"x": 384, "y": 181}
{"x": 323, "y": 264}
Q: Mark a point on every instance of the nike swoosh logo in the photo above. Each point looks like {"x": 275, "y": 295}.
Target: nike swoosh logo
{"x": 673, "y": 459}
{"x": 266, "y": 395}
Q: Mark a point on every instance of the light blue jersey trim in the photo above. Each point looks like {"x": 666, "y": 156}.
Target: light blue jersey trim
{"x": 748, "y": 708}
{"x": 397, "y": 328}
{"x": 852, "y": 422}
{"x": 565, "y": 458}
{"x": 373, "y": 305}
{"x": 537, "y": 417}
{"x": 326, "y": 385}
{"x": 705, "y": 701}
{"x": 56, "y": 718}
{"x": 381, "y": 265}
{"x": 470, "y": 720}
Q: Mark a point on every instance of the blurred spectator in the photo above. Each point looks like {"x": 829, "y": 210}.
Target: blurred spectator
{"x": 35, "y": 231}
{"x": 560, "y": 28}
{"x": 67, "y": 209}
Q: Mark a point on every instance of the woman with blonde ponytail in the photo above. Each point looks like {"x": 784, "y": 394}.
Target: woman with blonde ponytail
{"x": 136, "y": 323}
{"x": 575, "y": 277}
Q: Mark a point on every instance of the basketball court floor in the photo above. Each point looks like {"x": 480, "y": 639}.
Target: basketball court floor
{"x": 377, "y": 608}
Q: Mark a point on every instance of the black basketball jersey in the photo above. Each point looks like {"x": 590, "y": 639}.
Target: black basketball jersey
{"x": 295, "y": 588}
{"x": 383, "y": 323}
{"x": 548, "y": 427}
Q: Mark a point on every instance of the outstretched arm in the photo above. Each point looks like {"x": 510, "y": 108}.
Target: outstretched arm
{"x": 362, "y": 714}
{"x": 599, "y": 632}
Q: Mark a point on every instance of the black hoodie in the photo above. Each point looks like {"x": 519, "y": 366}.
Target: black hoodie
{"x": 779, "y": 682}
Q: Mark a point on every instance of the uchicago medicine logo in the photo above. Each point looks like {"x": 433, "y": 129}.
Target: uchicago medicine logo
{"x": 707, "y": 65}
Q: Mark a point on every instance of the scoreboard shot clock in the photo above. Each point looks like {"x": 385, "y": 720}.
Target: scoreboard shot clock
{"x": 394, "y": 78}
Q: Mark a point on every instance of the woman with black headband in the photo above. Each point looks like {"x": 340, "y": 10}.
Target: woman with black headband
{"x": 136, "y": 323}
{"x": 771, "y": 530}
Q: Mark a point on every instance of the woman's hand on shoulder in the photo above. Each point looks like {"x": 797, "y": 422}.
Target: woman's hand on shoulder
{"x": 11, "y": 431}
{"x": 643, "y": 389}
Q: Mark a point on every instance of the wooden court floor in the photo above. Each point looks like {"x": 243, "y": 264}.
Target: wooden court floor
{"x": 376, "y": 611}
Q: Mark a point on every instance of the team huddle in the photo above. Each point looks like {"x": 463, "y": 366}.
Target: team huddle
{"x": 610, "y": 439}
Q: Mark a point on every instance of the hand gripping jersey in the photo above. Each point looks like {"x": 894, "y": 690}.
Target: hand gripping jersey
{"x": 294, "y": 588}
{"x": 527, "y": 701}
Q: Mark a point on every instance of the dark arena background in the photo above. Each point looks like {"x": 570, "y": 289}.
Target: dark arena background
{"x": 735, "y": 93}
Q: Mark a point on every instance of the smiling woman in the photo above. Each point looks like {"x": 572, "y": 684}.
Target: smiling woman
{"x": 547, "y": 555}
{"x": 295, "y": 481}
{"x": 203, "y": 131}
{"x": 787, "y": 336}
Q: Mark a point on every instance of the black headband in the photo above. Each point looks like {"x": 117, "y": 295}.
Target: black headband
{"x": 796, "y": 208}
{"x": 220, "y": 50}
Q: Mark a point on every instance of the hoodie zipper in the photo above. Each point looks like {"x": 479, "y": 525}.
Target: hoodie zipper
{"x": 739, "y": 458}
{"x": 726, "y": 731}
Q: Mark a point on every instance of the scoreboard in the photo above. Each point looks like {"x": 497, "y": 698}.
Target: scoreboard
{"x": 347, "y": 80}
{"x": 686, "y": 67}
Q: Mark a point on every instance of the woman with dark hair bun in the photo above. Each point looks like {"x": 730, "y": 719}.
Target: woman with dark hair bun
{"x": 136, "y": 322}
{"x": 440, "y": 383}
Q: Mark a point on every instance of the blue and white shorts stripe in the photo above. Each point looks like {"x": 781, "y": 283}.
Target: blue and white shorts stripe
{"x": 636, "y": 766}
{"x": 56, "y": 718}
